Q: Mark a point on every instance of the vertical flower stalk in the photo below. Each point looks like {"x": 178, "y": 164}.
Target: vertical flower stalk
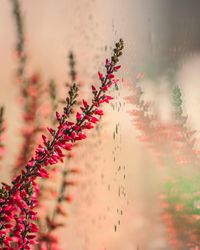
{"x": 18, "y": 200}
{"x": 53, "y": 99}
{"x": 31, "y": 120}
{"x": 20, "y": 45}
{"x": 2, "y": 131}
{"x": 181, "y": 198}
{"x": 152, "y": 132}
{"x": 30, "y": 93}
{"x": 181, "y": 207}
{"x": 185, "y": 140}
{"x": 47, "y": 238}
{"x": 72, "y": 63}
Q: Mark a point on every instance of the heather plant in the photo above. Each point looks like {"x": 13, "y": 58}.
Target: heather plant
{"x": 32, "y": 123}
{"x": 19, "y": 199}
{"x": 185, "y": 140}
{"x": 48, "y": 226}
{"x": 175, "y": 134}
{"x": 181, "y": 189}
{"x": 180, "y": 203}
{"x": 2, "y": 132}
{"x": 53, "y": 99}
{"x": 31, "y": 91}
{"x": 180, "y": 197}
{"x": 149, "y": 124}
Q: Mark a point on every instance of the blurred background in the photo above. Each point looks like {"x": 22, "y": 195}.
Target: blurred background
{"x": 117, "y": 202}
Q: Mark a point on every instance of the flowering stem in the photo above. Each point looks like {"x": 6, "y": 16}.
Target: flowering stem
{"x": 2, "y": 129}
{"x": 50, "y": 221}
{"x": 18, "y": 201}
{"x": 20, "y": 48}
{"x": 30, "y": 92}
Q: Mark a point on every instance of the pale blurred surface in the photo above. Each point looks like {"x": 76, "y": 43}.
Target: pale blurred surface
{"x": 100, "y": 218}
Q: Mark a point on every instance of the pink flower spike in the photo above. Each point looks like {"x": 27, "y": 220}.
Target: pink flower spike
{"x": 101, "y": 76}
{"x": 94, "y": 89}
{"x": 105, "y": 88}
{"x": 31, "y": 163}
{"x": 99, "y": 112}
{"x": 116, "y": 68}
{"x": 51, "y": 131}
{"x": 107, "y": 99}
{"x": 115, "y": 81}
{"x": 44, "y": 140}
{"x": 85, "y": 104}
{"x": 96, "y": 104}
{"x": 94, "y": 119}
{"x": 69, "y": 198}
{"x": 58, "y": 116}
{"x": 33, "y": 228}
{"x": 111, "y": 76}
{"x": 81, "y": 136}
{"x": 73, "y": 135}
{"x": 43, "y": 173}
{"x": 67, "y": 146}
{"x": 89, "y": 125}
{"x": 79, "y": 116}
{"x": 18, "y": 204}
{"x": 107, "y": 62}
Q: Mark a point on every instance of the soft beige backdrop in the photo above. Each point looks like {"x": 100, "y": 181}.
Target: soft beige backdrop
{"x": 53, "y": 28}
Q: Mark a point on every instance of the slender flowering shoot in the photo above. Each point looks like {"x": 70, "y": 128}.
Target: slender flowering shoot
{"x": 2, "y": 131}
{"x": 18, "y": 200}
{"x": 20, "y": 45}
{"x": 72, "y": 63}
{"x": 149, "y": 125}
{"x": 53, "y": 98}
{"x": 185, "y": 140}
{"x": 181, "y": 198}
{"x": 48, "y": 226}
{"x": 47, "y": 233}
{"x": 30, "y": 94}
{"x": 181, "y": 205}
{"x": 32, "y": 123}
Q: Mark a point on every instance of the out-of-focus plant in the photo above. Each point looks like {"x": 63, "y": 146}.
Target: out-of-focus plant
{"x": 18, "y": 200}
{"x": 30, "y": 94}
{"x": 181, "y": 209}
{"x": 174, "y": 143}
{"x": 2, "y": 132}
{"x": 184, "y": 139}
{"x": 181, "y": 204}
{"x": 48, "y": 225}
{"x": 155, "y": 134}
{"x": 32, "y": 125}
{"x": 20, "y": 45}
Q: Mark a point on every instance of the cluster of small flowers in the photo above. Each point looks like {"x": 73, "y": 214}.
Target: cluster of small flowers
{"x": 17, "y": 201}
